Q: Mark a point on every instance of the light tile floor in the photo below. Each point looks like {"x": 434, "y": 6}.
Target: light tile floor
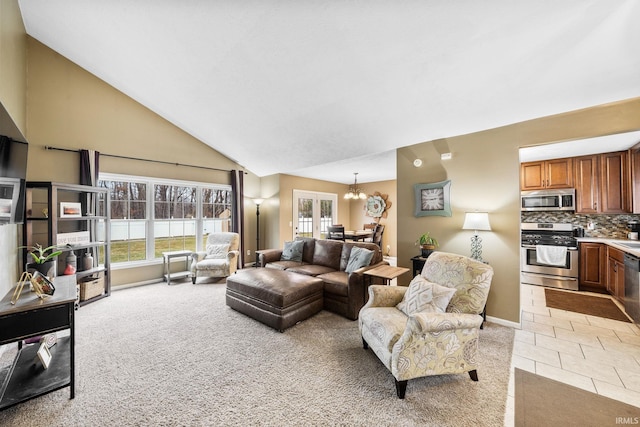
{"x": 591, "y": 353}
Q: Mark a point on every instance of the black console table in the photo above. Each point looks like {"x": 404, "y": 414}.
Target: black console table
{"x": 31, "y": 317}
{"x": 418, "y": 262}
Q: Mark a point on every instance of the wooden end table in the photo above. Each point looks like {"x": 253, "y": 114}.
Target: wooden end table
{"x": 386, "y": 272}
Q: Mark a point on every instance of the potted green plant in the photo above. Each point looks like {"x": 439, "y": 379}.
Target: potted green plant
{"x": 427, "y": 244}
{"x": 43, "y": 258}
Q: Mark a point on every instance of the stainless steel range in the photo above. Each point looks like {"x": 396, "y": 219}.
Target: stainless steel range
{"x": 549, "y": 255}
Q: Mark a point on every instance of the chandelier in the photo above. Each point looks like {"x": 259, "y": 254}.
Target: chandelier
{"x": 355, "y": 192}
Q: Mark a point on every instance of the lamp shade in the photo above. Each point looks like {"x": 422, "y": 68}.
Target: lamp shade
{"x": 476, "y": 221}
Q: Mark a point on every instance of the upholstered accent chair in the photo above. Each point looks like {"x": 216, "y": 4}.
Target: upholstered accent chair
{"x": 431, "y": 327}
{"x": 220, "y": 258}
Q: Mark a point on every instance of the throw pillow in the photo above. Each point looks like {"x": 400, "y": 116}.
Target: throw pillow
{"x": 425, "y": 296}
{"x": 217, "y": 251}
{"x": 359, "y": 257}
{"x": 292, "y": 251}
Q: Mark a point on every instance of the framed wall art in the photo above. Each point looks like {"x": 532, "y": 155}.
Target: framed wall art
{"x": 70, "y": 210}
{"x": 433, "y": 199}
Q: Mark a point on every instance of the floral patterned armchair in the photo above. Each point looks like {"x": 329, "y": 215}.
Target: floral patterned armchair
{"x": 220, "y": 259}
{"x": 431, "y": 327}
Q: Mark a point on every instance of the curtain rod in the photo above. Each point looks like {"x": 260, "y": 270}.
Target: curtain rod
{"x": 69, "y": 150}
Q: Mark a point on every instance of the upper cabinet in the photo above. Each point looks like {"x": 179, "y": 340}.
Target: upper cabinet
{"x": 603, "y": 183}
{"x": 634, "y": 153}
{"x": 556, "y": 173}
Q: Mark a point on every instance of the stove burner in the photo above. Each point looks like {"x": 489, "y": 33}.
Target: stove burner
{"x": 555, "y": 236}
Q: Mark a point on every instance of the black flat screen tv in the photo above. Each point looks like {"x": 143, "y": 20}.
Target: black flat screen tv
{"x": 13, "y": 173}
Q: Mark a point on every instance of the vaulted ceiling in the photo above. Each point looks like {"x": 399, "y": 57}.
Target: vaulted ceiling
{"x": 326, "y": 88}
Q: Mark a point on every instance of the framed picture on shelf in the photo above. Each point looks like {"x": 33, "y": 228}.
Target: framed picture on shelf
{"x": 41, "y": 284}
{"x": 70, "y": 210}
{"x": 433, "y": 199}
{"x": 44, "y": 355}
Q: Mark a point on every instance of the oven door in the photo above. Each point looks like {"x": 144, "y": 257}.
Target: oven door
{"x": 557, "y": 276}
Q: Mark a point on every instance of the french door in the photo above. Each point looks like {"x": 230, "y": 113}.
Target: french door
{"x": 313, "y": 212}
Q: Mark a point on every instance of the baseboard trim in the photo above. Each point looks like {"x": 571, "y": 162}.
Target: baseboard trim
{"x": 503, "y": 322}
{"x": 133, "y": 285}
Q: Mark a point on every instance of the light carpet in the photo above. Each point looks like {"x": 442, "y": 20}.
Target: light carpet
{"x": 178, "y": 356}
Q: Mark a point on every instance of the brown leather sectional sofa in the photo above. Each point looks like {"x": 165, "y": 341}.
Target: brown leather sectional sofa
{"x": 343, "y": 293}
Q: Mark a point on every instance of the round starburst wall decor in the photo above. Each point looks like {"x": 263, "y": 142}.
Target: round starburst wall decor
{"x": 377, "y": 205}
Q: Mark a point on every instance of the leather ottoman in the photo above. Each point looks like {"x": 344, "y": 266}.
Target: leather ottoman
{"x": 277, "y": 298}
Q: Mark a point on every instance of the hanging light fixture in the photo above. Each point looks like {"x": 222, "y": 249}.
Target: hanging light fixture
{"x": 355, "y": 192}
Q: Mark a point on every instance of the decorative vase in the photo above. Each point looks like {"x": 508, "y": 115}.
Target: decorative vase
{"x": 87, "y": 261}
{"x": 427, "y": 250}
{"x": 46, "y": 268}
{"x": 72, "y": 264}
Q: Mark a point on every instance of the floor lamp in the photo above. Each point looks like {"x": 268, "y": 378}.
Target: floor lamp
{"x": 476, "y": 221}
{"x": 258, "y": 202}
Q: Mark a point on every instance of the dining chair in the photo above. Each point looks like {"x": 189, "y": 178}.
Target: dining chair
{"x": 335, "y": 232}
{"x": 377, "y": 235}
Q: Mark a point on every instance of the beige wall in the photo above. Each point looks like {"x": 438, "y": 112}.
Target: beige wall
{"x": 276, "y": 213}
{"x": 13, "y": 87}
{"x": 13, "y": 63}
{"x": 484, "y": 174}
{"x": 72, "y": 109}
{"x": 358, "y": 214}
{"x": 283, "y": 215}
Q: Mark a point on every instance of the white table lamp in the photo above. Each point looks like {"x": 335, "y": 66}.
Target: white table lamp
{"x": 476, "y": 221}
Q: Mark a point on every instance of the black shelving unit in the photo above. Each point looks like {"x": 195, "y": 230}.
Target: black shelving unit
{"x": 88, "y": 231}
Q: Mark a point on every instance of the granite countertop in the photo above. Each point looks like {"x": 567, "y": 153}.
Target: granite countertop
{"x": 616, "y": 243}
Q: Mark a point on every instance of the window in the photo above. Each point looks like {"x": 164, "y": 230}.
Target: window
{"x": 128, "y": 220}
{"x": 150, "y": 216}
{"x": 313, "y": 212}
{"x": 175, "y": 212}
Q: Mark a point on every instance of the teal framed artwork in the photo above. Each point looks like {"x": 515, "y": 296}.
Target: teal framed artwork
{"x": 433, "y": 199}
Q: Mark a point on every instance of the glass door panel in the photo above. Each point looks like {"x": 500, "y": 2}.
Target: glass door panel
{"x": 312, "y": 213}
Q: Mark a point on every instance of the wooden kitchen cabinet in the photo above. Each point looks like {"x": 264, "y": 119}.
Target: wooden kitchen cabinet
{"x": 555, "y": 173}
{"x": 593, "y": 264}
{"x": 603, "y": 183}
{"x": 634, "y": 155}
{"x": 615, "y": 273}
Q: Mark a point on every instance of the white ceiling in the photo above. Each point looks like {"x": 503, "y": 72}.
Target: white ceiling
{"x": 581, "y": 147}
{"x": 312, "y": 88}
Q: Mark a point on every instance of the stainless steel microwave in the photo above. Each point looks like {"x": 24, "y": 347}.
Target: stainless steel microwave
{"x": 548, "y": 200}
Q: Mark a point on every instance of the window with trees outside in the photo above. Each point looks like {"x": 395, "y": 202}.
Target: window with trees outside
{"x": 150, "y": 216}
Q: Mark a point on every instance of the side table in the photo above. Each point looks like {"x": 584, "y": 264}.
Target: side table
{"x": 385, "y": 272}
{"x": 418, "y": 263}
{"x": 167, "y": 256}
{"x": 29, "y": 317}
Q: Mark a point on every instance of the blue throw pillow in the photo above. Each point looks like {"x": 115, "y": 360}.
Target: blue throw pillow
{"x": 359, "y": 257}
{"x": 292, "y": 251}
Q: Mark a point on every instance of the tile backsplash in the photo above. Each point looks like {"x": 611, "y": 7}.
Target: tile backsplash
{"x": 610, "y": 226}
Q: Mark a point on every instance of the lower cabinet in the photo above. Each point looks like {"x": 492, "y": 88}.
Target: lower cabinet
{"x": 602, "y": 269}
{"x": 615, "y": 273}
{"x": 593, "y": 264}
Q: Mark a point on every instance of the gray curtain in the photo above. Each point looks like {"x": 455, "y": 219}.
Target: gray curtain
{"x": 89, "y": 169}
{"x": 237, "y": 221}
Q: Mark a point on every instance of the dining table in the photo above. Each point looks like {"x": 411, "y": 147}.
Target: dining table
{"x": 357, "y": 234}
